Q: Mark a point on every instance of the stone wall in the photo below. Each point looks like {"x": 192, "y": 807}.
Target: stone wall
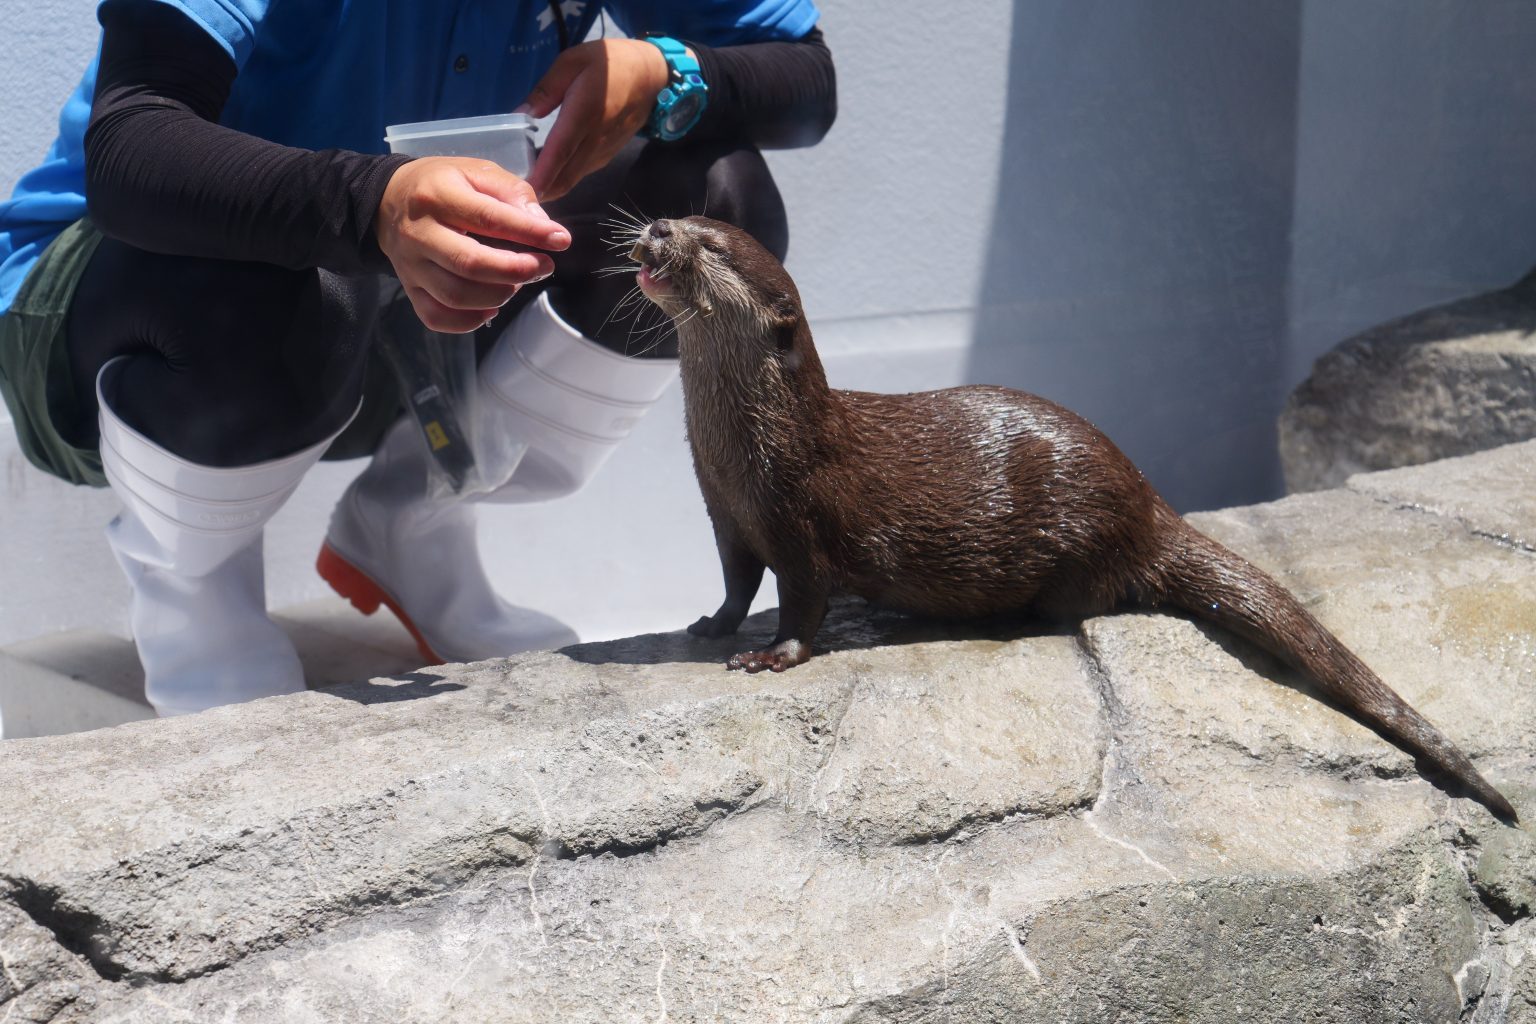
{"x": 1446, "y": 381}
{"x": 1138, "y": 820}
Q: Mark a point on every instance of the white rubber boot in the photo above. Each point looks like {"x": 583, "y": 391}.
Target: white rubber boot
{"x": 189, "y": 540}
{"x": 392, "y": 544}
{"x": 571, "y": 401}
{"x": 569, "y": 398}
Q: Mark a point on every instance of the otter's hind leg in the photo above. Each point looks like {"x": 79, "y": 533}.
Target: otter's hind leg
{"x": 802, "y": 607}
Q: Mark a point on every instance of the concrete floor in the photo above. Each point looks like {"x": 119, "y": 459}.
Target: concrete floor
{"x": 79, "y": 680}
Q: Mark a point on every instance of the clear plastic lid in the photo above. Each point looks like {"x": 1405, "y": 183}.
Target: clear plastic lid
{"x": 459, "y": 126}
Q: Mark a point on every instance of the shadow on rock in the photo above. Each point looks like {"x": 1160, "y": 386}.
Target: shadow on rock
{"x": 851, "y": 624}
{"x": 390, "y": 689}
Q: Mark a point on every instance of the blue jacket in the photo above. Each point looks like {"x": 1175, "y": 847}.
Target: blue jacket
{"x": 331, "y": 74}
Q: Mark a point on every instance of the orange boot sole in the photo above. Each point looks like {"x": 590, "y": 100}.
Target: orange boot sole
{"x": 365, "y": 595}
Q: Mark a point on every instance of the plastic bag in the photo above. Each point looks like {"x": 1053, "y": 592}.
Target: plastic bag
{"x": 436, "y": 371}
{"x": 437, "y": 378}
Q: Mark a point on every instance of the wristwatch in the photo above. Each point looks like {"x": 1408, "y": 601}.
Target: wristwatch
{"x": 680, "y": 104}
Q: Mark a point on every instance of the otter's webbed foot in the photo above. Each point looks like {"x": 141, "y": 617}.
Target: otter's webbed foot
{"x": 782, "y": 655}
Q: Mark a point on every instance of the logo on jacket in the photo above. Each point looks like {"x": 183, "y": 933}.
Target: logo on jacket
{"x": 568, "y": 9}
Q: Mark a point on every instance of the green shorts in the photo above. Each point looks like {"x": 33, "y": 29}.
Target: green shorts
{"x": 38, "y": 388}
{"x": 34, "y": 366}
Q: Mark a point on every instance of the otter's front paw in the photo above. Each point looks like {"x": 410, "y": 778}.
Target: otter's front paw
{"x": 783, "y": 655}
{"x": 710, "y": 626}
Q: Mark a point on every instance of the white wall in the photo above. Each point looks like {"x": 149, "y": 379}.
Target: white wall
{"x": 1138, "y": 259}
{"x": 1156, "y": 213}
{"x": 1416, "y": 161}
{"x": 44, "y": 46}
{"x": 1160, "y": 214}
{"x": 892, "y": 212}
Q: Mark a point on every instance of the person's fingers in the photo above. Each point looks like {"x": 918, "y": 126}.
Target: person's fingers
{"x": 564, "y": 141}
{"x": 495, "y": 180}
{"x": 594, "y": 155}
{"x": 550, "y": 91}
{"x": 581, "y": 119}
{"x": 459, "y": 293}
{"x": 437, "y": 317}
{"x": 501, "y": 184}
{"x": 483, "y": 214}
{"x": 575, "y": 169}
{"x": 464, "y": 257}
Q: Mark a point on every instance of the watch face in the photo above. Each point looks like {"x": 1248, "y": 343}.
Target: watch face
{"x": 680, "y": 118}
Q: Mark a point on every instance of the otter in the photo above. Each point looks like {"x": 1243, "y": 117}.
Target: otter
{"x": 963, "y": 503}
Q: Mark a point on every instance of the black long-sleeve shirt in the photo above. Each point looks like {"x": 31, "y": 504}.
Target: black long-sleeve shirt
{"x": 162, "y": 174}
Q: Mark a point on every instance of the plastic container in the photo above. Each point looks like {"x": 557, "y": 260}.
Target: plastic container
{"x": 505, "y": 138}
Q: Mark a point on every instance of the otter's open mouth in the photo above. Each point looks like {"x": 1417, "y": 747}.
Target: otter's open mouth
{"x": 652, "y": 276}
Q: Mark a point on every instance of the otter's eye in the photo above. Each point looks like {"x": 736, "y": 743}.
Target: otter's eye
{"x": 715, "y": 248}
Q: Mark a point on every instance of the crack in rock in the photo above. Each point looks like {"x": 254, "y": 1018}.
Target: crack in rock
{"x": 1012, "y": 935}
{"x": 1114, "y": 719}
{"x": 78, "y": 931}
{"x": 1507, "y": 542}
{"x": 1114, "y": 714}
{"x": 41, "y": 981}
{"x": 835, "y": 731}
{"x": 1485, "y": 981}
{"x": 975, "y": 825}
{"x": 1499, "y": 861}
{"x": 710, "y": 813}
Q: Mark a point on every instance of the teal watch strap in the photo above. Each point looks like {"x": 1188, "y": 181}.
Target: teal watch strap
{"x": 682, "y": 102}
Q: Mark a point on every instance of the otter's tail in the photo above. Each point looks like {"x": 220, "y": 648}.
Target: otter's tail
{"x": 1200, "y": 576}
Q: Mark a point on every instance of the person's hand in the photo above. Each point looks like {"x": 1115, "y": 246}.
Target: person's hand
{"x": 606, "y": 90}
{"x": 439, "y": 223}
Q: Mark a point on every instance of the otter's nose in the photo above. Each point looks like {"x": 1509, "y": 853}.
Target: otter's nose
{"x": 661, "y": 228}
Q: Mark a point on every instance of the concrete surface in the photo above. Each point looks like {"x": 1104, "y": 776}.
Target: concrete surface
{"x": 1141, "y": 819}
{"x": 77, "y": 681}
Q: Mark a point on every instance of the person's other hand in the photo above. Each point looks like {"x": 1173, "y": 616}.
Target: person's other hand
{"x": 439, "y": 223}
{"x": 606, "y": 90}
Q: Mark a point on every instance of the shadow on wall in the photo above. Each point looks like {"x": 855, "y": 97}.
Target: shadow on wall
{"x": 1138, "y": 269}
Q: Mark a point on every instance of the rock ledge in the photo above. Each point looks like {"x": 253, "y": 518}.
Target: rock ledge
{"x": 1136, "y": 820}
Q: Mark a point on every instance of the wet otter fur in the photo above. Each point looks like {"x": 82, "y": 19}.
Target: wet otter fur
{"x": 960, "y": 503}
